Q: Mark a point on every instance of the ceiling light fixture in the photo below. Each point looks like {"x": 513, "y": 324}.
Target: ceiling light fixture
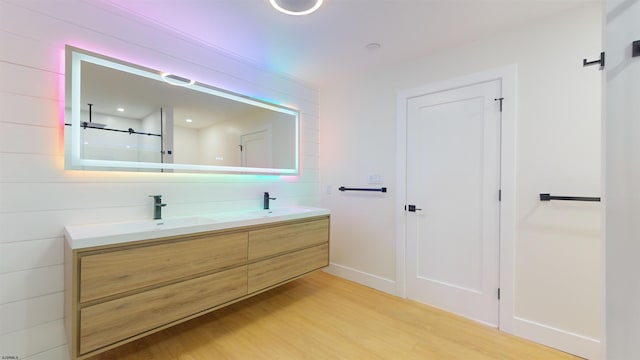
{"x": 176, "y": 80}
{"x": 296, "y": 7}
{"x": 120, "y": 109}
{"x": 188, "y": 120}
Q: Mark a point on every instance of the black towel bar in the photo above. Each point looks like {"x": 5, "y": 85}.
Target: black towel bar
{"x": 549, "y": 197}
{"x": 342, "y": 188}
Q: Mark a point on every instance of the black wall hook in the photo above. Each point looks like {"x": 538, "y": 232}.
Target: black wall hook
{"x": 599, "y": 61}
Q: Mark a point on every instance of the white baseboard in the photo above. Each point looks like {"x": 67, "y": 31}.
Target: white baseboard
{"x": 580, "y": 345}
{"x": 361, "y": 277}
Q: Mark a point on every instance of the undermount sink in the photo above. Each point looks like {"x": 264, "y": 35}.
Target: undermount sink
{"x": 179, "y": 222}
{"x": 133, "y": 227}
{"x": 80, "y": 236}
{"x": 278, "y": 212}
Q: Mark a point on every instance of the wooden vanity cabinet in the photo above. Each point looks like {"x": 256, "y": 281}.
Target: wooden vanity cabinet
{"x": 107, "y": 273}
{"x": 112, "y": 321}
{"x": 117, "y": 293}
{"x": 266, "y": 273}
{"x": 282, "y": 252}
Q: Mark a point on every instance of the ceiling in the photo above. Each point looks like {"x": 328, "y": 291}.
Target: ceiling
{"x": 331, "y": 44}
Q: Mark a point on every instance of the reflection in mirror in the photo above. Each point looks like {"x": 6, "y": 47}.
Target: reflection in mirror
{"x": 127, "y": 117}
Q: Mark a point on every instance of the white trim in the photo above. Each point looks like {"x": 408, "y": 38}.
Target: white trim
{"x": 508, "y": 203}
{"x": 507, "y": 75}
{"x": 361, "y": 277}
{"x": 401, "y": 198}
{"x": 580, "y": 345}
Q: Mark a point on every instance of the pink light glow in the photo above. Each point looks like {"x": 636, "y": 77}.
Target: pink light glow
{"x": 290, "y": 178}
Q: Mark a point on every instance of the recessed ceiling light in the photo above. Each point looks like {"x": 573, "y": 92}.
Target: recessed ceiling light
{"x": 188, "y": 120}
{"x": 296, "y": 7}
{"x": 120, "y": 109}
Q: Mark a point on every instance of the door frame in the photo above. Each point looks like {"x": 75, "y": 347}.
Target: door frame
{"x": 507, "y": 76}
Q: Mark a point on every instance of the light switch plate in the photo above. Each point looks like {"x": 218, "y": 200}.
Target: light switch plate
{"x": 375, "y": 179}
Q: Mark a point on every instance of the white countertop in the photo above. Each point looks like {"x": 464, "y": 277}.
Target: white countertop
{"x": 84, "y": 236}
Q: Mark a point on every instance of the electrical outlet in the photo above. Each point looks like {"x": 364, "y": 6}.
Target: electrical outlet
{"x": 375, "y": 179}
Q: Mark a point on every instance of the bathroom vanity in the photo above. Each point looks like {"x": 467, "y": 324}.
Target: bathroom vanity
{"x": 124, "y": 281}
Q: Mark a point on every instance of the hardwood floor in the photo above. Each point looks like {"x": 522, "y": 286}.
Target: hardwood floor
{"x": 325, "y": 317}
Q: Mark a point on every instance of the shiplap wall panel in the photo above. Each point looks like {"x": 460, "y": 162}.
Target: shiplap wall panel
{"x": 310, "y": 121}
{"x": 44, "y": 168}
{"x": 54, "y": 196}
{"x": 49, "y": 168}
{"x": 21, "y": 285}
{"x": 52, "y": 199}
{"x": 34, "y": 340}
{"x": 30, "y": 81}
{"x": 17, "y": 138}
{"x": 24, "y": 255}
{"x": 21, "y": 315}
{"x": 311, "y": 135}
{"x": 58, "y": 353}
{"x": 310, "y": 161}
{"x": 27, "y": 110}
{"x": 19, "y": 226}
{"x": 191, "y": 59}
{"x": 309, "y": 149}
{"x": 38, "y": 197}
{"x": 27, "y": 51}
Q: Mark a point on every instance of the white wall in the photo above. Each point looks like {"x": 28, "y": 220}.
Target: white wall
{"x": 622, "y": 180}
{"x": 186, "y": 139}
{"x": 221, "y": 139}
{"x": 558, "y": 151}
{"x": 38, "y": 197}
{"x": 218, "y": 144}
{"x": 149, "y": 146}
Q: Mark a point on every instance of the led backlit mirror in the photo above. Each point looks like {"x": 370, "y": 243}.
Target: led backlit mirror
{"x": 122, "y": 116}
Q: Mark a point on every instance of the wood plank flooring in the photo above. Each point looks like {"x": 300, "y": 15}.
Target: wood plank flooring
{"x": 325, "y": 317}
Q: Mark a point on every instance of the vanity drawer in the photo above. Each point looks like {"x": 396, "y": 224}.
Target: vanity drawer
{"x": 265, "y": 273}
{"x": 280, "y": 239}
{"x": 115, "y": 272}
{"x": 109, "y": 322}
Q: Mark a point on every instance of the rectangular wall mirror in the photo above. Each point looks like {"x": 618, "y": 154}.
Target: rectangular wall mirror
{"x": 122, "y": 116}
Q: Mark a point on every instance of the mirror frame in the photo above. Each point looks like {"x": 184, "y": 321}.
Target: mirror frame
{"x": 73, "y": 161}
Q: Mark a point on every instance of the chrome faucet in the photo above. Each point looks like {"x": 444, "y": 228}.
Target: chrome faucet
{"x": 157, "y": 206}
{"x": 266, "y": 200}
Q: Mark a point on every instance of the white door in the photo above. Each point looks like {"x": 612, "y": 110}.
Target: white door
{"x": 453, "y": 180}
{"x": 256, "y": 149}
